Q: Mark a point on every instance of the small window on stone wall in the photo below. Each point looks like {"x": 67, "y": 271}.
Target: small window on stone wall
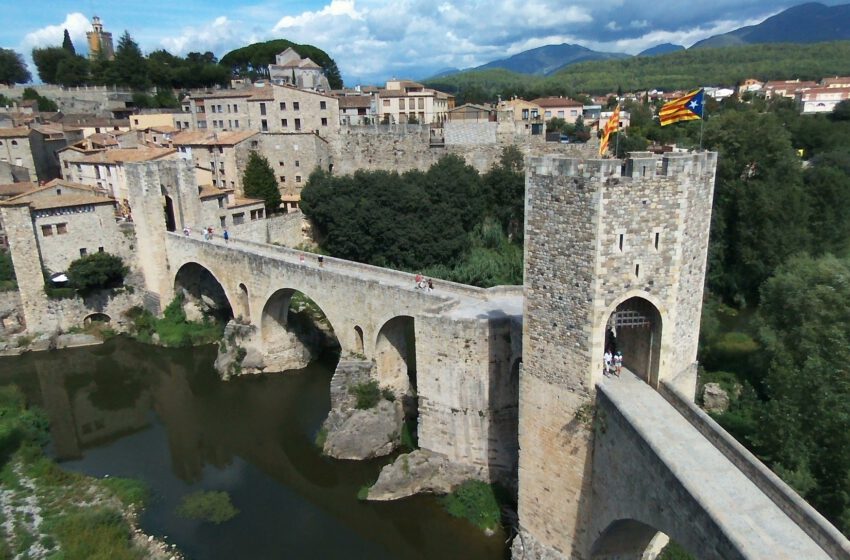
{"x": 83, "y": 252}
{"x": 46, "y": 230}
{"x": 61, "y": 229}
{"x": 100, "y": 249}
{"x": 656, "y": 239}
{"x": 621, "y": 238}
{"x": 637, "y": 271}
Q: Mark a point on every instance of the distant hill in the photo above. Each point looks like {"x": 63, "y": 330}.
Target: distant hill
{"x": 677, "y": 70}
{"x": 806, "y": 23}
{"x": 546, "y": 60}
{"x": 663, "y": 48}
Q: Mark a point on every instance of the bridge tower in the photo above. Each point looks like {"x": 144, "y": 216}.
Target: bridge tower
{"x": 615, "y": 257}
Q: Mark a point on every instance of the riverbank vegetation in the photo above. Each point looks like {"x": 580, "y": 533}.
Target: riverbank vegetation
{"x": 173, "y": 328}
{"x": 477, "y": 502}
{"x": 207, "y": 505}
{"x": 448, "y": 222}
{"x": 48, "y": 512}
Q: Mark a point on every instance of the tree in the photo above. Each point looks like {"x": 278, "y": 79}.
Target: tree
{"x": 73, "y": 71}
{"x": 259, "y": 182}
{"x": 841, "y": 112}
{"x": 12, "y": 68}
{"x": 44, "y": 104}
{"x": 67, "y": 44}
{"x": 47, "y": 61}
{"x": 802, "y": 429}
{"x": 96, "y": 271}
{"x": 504, "y": 192}
{"x": 130, "y": 66}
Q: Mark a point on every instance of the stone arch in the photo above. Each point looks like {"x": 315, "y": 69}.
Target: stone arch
{"x": 395, "y": 360}
{"x": 275, "y": 318}
{"x": 634, "y": 327}
{"x": 197, "y": 283}
{"x": 358, "y": 339}
{"x": 244, "y": 305}
{"x": 96, "y": 318}
{"x": 627, "y": 539}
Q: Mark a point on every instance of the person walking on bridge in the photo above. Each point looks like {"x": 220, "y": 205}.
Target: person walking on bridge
{"x": 226, "y": 236}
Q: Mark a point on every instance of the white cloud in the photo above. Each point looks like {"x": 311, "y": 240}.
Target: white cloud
{"x": 638, "y": 23}
{"x": 219, "y": 35}
{"x": 613, "y": 26}
{"x": 51, "y": 35}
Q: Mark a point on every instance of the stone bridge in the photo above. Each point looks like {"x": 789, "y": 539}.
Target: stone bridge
{"x": 463, "y": 342}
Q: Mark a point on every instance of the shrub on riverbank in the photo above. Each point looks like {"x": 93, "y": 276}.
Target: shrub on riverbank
{"x": 173, "y": 329}
{"x": 368, "y": 394}
{"x": 476, "y": 501}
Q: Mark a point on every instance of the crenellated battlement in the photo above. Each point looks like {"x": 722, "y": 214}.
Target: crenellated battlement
{"x": 639, "y": 165}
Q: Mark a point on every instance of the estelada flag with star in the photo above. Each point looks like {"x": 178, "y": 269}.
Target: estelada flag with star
{"x": 686, "y": 108}
{"x": 612, "y": 125}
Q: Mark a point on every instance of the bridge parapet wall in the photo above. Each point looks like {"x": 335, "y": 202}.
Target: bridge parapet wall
{"x": 813, "y": 523}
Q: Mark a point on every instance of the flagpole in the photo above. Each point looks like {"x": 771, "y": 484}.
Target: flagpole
{"x": 702, "y": 121}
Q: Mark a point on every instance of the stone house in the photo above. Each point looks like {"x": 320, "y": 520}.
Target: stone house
{"x": 152, "y": 120}
{"x": 278, "y": 108}
{"x": 224, "y": 110}
{"x": 292, "y": 156}
{"x": 836, "y": 82}
{"x": 560, "y": 107}
{"x": 93, "y": 124}
{"x": 222, "y": 208}
{"x": 527, "y": 114}
{"x": 402, "y": 101}
{"x": 72, "y": 220}
{"x": 470, "y": 112}
{"x": 292, "y": 70}
{"x": 104, "y": 169}
{"x": 216, "y": 152}
{"x": 7, "y": 191}
{"x": 355, "y": 110}
{"x": 15, "y": 148}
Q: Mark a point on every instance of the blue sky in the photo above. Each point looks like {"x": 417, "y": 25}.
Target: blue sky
{"x": 372, "y": 40}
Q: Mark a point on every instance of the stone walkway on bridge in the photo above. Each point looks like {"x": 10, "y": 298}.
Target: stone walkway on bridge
{"x": 465, "y": 301}
{"x": 737, "y": 505}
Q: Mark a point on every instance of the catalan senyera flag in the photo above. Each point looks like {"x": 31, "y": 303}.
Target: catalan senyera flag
{"x": 613, "y": 125}
{"x": 686, "y": 108}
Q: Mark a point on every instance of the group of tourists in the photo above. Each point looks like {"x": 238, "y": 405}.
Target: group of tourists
{"x": 208, "y": 233}
{"x": 612, "y": 363}
{"x": 424, "y": 284}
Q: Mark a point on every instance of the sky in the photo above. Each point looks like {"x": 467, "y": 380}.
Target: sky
{"x": 373, "y": 40}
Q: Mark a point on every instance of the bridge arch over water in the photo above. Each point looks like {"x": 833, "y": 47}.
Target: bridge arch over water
{"x": 199, "y": 282}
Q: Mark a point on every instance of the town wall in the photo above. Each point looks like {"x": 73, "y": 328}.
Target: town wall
{"x": 287, "y": 229}
{"x": 83, "y": 99}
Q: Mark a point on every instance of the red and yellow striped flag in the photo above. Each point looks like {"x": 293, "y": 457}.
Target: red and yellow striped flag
{"x": 613, "y": 125}
{"x": 686, "y": 108}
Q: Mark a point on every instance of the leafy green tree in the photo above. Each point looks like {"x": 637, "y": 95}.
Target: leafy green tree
{"x": 253, "y": 60}
{"x": 504, "y": 192}
{"x": 44, "y": 104}
{"x": 73, "y": 71}
{"x": 131, "y": 69}
{"x": 96, "y": 271}
{"x": 760, "y": 215}
{"x": 259, "y": 182}
{"x": 67, "y": 44}
{"x": 841, "y": 111}
{"x": 802, "y": 430}
{"x": 47, "y": 62}
{"x": 12, "y": 68}
{"x": 827, "y": 189}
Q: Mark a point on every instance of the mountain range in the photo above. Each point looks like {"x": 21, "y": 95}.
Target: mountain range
{"x": 806, "y": 23}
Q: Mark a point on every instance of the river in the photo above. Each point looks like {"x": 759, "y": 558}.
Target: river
{"x": 163, "y": 416}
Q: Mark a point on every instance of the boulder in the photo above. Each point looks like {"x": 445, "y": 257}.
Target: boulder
{"x": 714, "y": 398}
{"x": 421, "y": 471}
{"x": 363, "y": 434}
{"x": 193, "y": 311}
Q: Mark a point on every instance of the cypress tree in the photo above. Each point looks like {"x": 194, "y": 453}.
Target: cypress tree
{"x": 67, "y": 44}
{"x": 259, "y": 182}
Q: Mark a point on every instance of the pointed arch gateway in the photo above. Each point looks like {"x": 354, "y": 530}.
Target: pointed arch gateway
{"x": 395, "y": 361}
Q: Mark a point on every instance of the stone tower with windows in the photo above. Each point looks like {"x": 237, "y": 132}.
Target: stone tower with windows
{"x": 615, "y": 257}
{"x": 99, "y": 41}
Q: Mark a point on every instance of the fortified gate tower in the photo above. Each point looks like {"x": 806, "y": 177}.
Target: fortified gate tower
{"x": 615, "y": 256}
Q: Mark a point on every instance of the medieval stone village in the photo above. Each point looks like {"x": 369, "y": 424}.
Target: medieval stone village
{"x": 200, "y": 375}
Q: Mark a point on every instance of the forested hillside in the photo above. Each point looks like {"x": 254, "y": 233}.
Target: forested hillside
{"x": 677, "y": 70}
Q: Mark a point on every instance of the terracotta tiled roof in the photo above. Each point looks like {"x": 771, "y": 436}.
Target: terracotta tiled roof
{"x": 15, "y": 189}
{"x": 204, "y": 138}
{"x": 237, "y": 202}
{"x": 17, "y": 132}
{"x": 126, "y": 155}
{"x": 556, "y": 102}
{"x": 355, "y": 102}
{"x": 209, "y": 191}
{"x": 79, "y": 195}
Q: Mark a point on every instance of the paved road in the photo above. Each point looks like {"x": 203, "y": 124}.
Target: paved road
{"x": 744, "y": 512}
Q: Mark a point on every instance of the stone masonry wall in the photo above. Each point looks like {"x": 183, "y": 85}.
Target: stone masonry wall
{"x": 576, "y": 274}
{"x": 470, "y": 133}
